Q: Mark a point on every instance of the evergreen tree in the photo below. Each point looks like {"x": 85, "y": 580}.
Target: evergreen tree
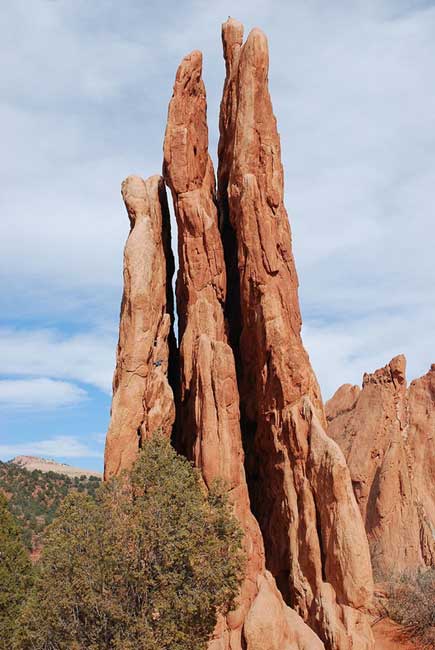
{"x": 148, "y": 566}
{"x": 15, "y": 574}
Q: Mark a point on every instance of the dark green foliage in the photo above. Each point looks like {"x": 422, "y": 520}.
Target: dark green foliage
{"x": 34, "y": 497}
{"x": 411, "y": 603}
{"x": 15, "y": 574}
{"x": 145, "y": 567}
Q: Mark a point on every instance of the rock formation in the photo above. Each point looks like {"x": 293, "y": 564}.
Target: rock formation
{"x": 209, "y": 400}
{"x": 300, "y": 486}
{"x": 245, "y": 381}
{"x": 421, "y": 442}
{"x": 386, "y": 432}
{"x": 142, "y": 397}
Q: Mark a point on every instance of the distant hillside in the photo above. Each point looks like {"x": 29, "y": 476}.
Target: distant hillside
{"x": 34, "y": 496}
{"x": 47, "y": 465}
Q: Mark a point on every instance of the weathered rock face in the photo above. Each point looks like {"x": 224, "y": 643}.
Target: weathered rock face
{"x": 386, "y": 433}
{"x": 209, "y": 399}
{"x": 142, "y": 397}
{"x": 421, "y": 442}
{"x": 300, "y": 486}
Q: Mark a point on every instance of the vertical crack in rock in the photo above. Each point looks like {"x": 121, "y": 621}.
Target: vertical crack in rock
{"x": 143, "y": 399}
{"x": 386, "y": 432}
{"x": 209, "y": 399}
{"x": 298, "y": 477}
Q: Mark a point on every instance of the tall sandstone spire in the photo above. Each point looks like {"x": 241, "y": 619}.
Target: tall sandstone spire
{"x": 386, "y": 432}
{"x": 209, "y": 400}
{"x": 143, "y": 400}
{"x": 245, "y": 378}
{"x": 299, "y": 483}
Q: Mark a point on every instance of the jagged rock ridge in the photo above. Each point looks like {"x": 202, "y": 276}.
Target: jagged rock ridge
{"x": 31, "y": 463}
{"x": 387, "y": 433}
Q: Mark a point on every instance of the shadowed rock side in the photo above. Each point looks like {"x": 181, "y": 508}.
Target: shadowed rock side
{"x": 209, "y": 400}
{"x": 386, "y": 433}
{"x": 142, "y": 397}
{"x": 299, "y": 483}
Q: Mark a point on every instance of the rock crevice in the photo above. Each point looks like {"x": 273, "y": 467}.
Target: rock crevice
{"x": 209, "y": 404}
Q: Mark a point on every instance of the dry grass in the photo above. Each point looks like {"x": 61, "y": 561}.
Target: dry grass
{"x": 411, "y": 603}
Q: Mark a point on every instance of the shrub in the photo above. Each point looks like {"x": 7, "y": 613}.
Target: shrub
{"x": 35, "y": 495}
{"x": 15, "y": 574}
{"x": 411, "y": 603}
{"x": 146, "y": 567}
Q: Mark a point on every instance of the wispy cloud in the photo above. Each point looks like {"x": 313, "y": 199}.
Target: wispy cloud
{"x": 342, "y": 350}
{"x": 39, "y": 393}
{"x": 352, "y": 87}
{"x": 55, "y": 447}
{"x": 87, "y": 357}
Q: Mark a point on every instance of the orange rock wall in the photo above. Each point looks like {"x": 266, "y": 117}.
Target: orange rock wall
{"x": 387, "y": 433}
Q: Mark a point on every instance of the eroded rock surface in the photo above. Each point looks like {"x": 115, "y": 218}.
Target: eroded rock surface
{"x": 299, "y": 483}
{"x": 421, "y": 441}
{"x": 209, "y": 399}
{"x": 387, "y": 433}
{"x": 143, "y": 400}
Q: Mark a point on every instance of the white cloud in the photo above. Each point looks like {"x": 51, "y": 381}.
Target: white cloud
{"x": 55, "y": 447}
{"x": 40, "y": 393}
{"x": 342, "y": 351}
{"x": 87, "y": 357}
{"x": 352, "y": 87}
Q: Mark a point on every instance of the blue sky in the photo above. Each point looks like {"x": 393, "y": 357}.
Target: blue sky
{"x": 84, "y": 103}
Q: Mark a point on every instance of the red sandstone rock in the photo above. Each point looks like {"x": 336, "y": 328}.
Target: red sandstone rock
{"x": 386, "y": 433}
{"x": 210, "y": 419}
{"x": 300, "y": 486}
{"x": 142, "y": 397}
{"x": 421, "y": 442}
{"x": 238, "y": 307}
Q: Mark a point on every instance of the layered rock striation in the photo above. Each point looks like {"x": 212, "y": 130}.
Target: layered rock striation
{"x": 143, "y": 400}
{"x": 300, "y": 486}
{"x": 387, "y": 432}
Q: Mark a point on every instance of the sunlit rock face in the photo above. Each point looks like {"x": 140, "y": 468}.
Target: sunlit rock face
{"x": 299, "y": 483}
{"x": 209, "y": 431}
{"x": 143, "y": 400}
{"x": 247, "y": 405}
{"x": 387, "y": 433}
{"x": 421, "y": 442}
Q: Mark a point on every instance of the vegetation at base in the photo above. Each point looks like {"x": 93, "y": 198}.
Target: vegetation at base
{"x": 147, "y": 566}
{"x": 411, "y": 603}
{"x": 34, "y": 497}
{"x": 15, "y": 574}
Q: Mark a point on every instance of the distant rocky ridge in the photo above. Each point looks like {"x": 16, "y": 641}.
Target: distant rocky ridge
{"x": 48, "y": 465}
